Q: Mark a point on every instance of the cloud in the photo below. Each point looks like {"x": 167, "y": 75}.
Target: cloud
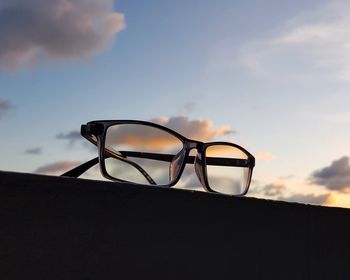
{"x": 264, "y": 155}
{"x": 189, "y": 107}
{"x": 286, "y": 177}
{"x": 273, "y": 189}
{"x": 333, "y": 177}
{"x": 148, "y": 138}
{"x": 54, "y": 29}
{"x": 279, "y": 191}
{"x": 34, "y": 151}
{"x": 313, "y": 44}
{"x": 202, "y": 130}
{"x": 4, "y": 106}
{"x": 72, "y": 136}
{"x": 56, "y": 168}
{"x": 142, "y": 138}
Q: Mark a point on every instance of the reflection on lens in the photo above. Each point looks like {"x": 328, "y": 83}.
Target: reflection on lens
{"x": 141, "y": 154}
{"x": 223, "y": 174}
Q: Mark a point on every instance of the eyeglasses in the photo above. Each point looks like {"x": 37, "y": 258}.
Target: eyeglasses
{"x": 145, "y": 153}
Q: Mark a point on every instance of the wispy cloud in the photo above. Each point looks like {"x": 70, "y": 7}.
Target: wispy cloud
{"x": 34, "y": 151}
{"x": 186, "y": 108}
{"x": 72, "y": 136}
{"x": 56, "y": 168}
{"x": 336, "y": 176}
{"x": 316, "y": 43}
{"x": 4, "y": 106}
{"x": 286, "y": 177}
{"x": 273, "y": 189}
{"x": 265, "y": 155}
{"x": 55, "y": 29}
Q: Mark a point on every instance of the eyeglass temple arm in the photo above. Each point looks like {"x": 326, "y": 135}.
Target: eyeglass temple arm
{"x": 79, "y": 170}
{"x": 122, "y": 157}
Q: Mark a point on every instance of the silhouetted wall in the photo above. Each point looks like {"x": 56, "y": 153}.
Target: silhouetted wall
{"x": 61, "y": 228}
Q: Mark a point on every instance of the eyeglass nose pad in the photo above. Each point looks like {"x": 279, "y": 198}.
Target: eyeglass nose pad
{"x": 198, "y": 167}
{"x": 175, "y": 165}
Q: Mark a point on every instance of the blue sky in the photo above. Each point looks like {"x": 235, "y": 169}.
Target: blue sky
{"x": 276, "y": 72}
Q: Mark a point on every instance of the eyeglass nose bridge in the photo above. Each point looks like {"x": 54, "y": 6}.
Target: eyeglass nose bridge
{"x": 198, "y": 161}
{"x": 178, "y": 164}
{"x": 192, "y": 144}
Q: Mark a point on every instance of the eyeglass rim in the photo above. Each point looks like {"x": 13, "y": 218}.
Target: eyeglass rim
{"x": 200, "y": 146}
{"x": 250, "y": 158}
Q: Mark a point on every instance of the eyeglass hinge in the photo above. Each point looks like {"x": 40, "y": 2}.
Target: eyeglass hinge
{"x": 92, "y": 128}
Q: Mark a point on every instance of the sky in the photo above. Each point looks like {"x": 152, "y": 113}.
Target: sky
{"x": 274, "y": 73}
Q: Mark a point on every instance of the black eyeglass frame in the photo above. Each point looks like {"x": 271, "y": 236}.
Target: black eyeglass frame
{"x": 95, "y": 132}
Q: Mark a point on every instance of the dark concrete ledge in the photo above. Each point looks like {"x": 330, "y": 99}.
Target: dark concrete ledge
{"x": 61, "y": 228}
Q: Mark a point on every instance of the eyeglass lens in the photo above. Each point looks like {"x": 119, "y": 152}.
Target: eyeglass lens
{"x": 154, "y": 150}
{"x": 226, "y": 178}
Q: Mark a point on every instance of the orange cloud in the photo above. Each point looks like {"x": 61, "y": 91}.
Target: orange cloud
{"x": 56, "y": 168}
{"x": 202, "y": 130}
{"x": 141, "y": 137}
{"x": 264, "y": 155}
{"x": 224, "y": 151}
